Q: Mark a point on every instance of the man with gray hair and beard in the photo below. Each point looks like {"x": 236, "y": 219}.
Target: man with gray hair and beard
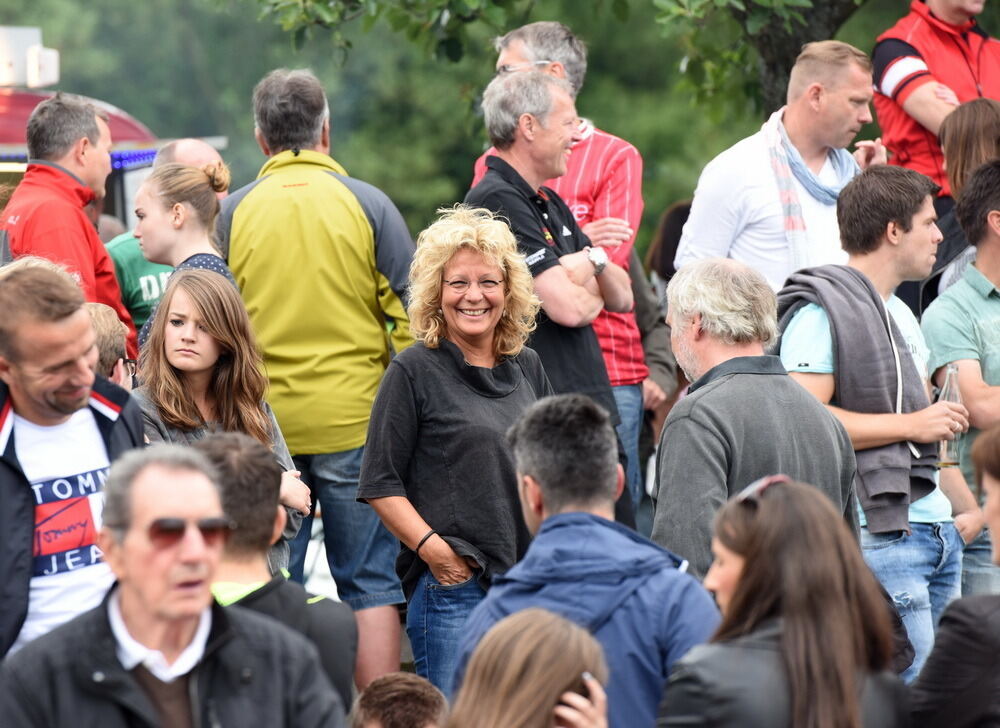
{"x": 744, "y": 418}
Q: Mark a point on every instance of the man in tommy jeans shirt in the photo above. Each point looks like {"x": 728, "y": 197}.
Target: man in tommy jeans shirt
{"x": 60, "y": 427}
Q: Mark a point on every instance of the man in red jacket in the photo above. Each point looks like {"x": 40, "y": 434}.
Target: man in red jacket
{"x": 69, "y": 145}
{"x": 930, "y": 61}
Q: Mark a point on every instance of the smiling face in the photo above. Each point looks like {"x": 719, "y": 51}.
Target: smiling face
{"x": 724, "y": 574}
{"x": 166, "y": 581}
{"x": 189, "y": 348}
{"x": 846, "y": 106}
{"x": 554, "y": 139}
{"x": 471, "y": 316}
{"x": 918, "y": 247}
{"x": 154, "y": 227}
{"x": 51, "y": 369}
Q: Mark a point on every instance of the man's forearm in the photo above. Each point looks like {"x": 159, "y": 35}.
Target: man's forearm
{"x": 616, "y": 288}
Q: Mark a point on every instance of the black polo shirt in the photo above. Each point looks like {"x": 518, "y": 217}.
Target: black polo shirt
{"x": 545, "y": 230}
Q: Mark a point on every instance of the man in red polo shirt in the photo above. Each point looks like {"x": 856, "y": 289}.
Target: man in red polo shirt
{"x": 929, "y": 62}
{"x": 603, "y": 189}
{"x": 69, "y": 146}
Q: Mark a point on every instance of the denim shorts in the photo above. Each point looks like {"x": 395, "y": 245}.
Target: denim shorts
{"x": 360, "y": 551}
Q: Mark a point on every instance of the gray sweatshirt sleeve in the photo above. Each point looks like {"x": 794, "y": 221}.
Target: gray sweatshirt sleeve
{"x": 691, "y": 472}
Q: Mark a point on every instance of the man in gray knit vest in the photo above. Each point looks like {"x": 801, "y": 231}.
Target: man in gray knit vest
{"x": 858, "y": 348}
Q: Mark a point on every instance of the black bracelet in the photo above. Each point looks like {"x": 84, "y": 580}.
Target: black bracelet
{"x": 423, "y": 541}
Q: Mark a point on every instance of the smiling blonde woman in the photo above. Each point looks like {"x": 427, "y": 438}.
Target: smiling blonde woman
{"x": 437, "y": 468}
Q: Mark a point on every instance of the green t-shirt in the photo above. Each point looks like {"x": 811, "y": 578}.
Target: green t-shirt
{"x": 964, "y": 323}
{"x": 141, "y": 282}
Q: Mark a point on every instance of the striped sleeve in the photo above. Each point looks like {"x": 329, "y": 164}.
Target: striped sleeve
{"x": 899, "y": 69}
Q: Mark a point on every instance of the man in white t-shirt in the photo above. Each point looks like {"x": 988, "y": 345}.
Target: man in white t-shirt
{"x": 60, "y": 427}
{"x": 858, "y": 348}
{"x": 770, "y": 200}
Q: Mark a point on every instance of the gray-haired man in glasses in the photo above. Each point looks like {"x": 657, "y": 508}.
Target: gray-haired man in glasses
{"x": 158, "y": 650}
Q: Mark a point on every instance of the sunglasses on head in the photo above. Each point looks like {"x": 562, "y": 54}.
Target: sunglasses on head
{"x": 752, "y": 493}
{"x": 167, "y": 532}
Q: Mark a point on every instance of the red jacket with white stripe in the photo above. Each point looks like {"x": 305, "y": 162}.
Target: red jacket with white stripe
{"x": 120, "y": 422}
{"x": 45, "y": 217}
{"x": 921, "y": 49}
{"x": 604, "y": 179}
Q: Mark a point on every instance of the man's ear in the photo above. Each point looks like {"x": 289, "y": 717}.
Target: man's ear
{"x": 558, "y": 70}
{"x": 261, "y": 143}
{"x": 814, "y": 94}
{"x": 531, "y": 494}
{"x": 993, "y": 222}
{"x": 280, "y": 517}
{"x": 80, "y": 150}
{"x": 110, "y": 549}
{"x": 528, "y": 126}
{"x": 117, "y": 374}
{"x": 5, "y": 370}
{"x": 620, "y": 481}
{"x": 893, "y": 232}
{"x": 695, "y": 325}
{"x": 324, "y": 136}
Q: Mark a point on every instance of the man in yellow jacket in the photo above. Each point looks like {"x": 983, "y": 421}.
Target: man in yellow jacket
{"x": 322, "y": 261}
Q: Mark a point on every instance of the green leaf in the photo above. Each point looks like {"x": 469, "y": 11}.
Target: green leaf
{"x": 620, "y": 9}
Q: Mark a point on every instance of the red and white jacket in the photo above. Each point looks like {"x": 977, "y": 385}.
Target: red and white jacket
{"x": 921, "y": 49}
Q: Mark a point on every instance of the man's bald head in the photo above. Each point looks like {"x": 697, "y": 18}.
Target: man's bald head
{"x": 190, "y": 152}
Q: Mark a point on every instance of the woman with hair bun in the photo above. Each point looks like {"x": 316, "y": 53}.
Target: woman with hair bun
{"x": 177, "y": 207}
{"x": 534, "y": 669}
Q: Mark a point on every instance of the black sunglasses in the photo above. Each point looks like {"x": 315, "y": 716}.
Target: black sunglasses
{"x": 167, "y": 532}
{"x": 752, "y": 493}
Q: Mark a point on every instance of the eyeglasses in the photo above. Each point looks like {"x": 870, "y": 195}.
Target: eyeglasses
{"x": 130, "y": 366}
{"x": 165, "y": 533}
{"x": 752, "y": 493}
{"x": 513, "y": 67}
{"x": 487, "y": 285}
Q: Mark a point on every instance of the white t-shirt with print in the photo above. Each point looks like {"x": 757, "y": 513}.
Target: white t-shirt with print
{"x": 66, "y": 465}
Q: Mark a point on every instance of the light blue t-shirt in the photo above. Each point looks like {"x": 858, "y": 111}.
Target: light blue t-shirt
{"x": 807, "y": 346}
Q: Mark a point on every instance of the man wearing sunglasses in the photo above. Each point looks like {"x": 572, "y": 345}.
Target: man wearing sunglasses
{"x": 60, "y": 427}
{"x": 158, "y": 651}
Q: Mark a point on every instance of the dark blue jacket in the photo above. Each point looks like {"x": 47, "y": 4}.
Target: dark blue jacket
{"x": 628, "y": 592}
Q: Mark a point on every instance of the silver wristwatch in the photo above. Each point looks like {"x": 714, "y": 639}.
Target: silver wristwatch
{"x": 599, "y": 258}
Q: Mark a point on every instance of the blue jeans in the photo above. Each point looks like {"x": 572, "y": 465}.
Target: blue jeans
{"x": 923, "y": 573}
{"x": 435, "y": 622}
{"x": 979, "y": 574}
{"x": 628, "y": 397}
{"x": 359, "y": 549}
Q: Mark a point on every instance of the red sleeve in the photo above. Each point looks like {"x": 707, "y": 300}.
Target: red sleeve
{"x": 73, "y": 243}
{"x": 620, "y": 195}
{"x": 479, "y": 168}
{"x": 107, "y": 291}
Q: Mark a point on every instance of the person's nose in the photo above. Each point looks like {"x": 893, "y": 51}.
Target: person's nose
{"x": 866, "y": 114}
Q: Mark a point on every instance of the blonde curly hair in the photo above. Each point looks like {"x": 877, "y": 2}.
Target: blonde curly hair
{"x": 477, "y": 229}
